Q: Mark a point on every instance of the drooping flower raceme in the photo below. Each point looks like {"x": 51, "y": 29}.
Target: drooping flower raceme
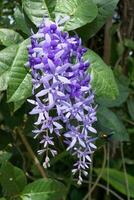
{"x": 63, "y": 99}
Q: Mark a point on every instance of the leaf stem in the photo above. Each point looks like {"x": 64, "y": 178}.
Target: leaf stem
{"x": 108, "y": 153}
{"x": 125, "y": 171}
{"x": 99, "y": 177}
{"x": 111, "y": 191}
{"x": 31, "y": 153}
{"x": 90, "y": 178}
{"x": 105, "y": 188}
{"x": 129, "y": 121}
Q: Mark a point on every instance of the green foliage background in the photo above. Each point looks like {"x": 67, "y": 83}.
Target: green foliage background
{"x": 106, "y": 28}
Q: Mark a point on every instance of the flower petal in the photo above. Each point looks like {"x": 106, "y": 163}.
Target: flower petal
{"x": 51, "y": 100}
{"x": 57, "y": 125}
{"x": 64, "y": 80}
{"x": 42, "y": 93}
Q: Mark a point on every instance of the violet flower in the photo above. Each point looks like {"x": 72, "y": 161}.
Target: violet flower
{"x": 62, "y": 94}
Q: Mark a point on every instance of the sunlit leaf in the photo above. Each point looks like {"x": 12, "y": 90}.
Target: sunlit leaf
{"x": 36, "y": 10}
{"x": 79, "y": 12}
{"x": 6, "y": 58}
{"x": 19, "y": 84}
{"x": 9, "y": 37}
{"x": 20, "y": 21}
{"x": 105, "y": 10}
{"x": 44, "y": 189}
{"x": 121, "y": 98}
{"x": 103, "y": 81}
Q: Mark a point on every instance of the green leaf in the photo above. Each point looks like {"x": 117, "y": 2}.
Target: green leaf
{"x": 9, "y": 37}
{"x": 19, "y": 84}
{"x": 2, "y": 198}
{"x": 117, "y": 180}
{"x": 130, "y": 104}
{"x": 21, "y": 21}
{"x": 51, "y": 5}
{"x": 19, "y": 92}
{"x": 44, "y": 189}
{"x": 4, "y": 156}
{"x": 18, "y": 104}
{"x": 120, "y": 48}
{"x": 103, "y": 81}
{"x": 12, "y": 179}
{"x": 109, "y": 120}
{"x": 123, "y": 95}
{"x": 129, "y": 43}
{"x": 6, "y": 57}
{"x": 79, "y": 12}
{"x": 36, "y": 10}
{"x": 105, "y": 10}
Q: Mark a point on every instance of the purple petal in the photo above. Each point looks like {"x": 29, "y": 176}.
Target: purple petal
{"x": 59, "y": 54}
{"x": 68, "y": 115}
{"x": 48, "y": 38}
{"x": 51, "y": 100}
{"x": 35, "y": 111}
{"x": 39, "y": 66}
{"x": 92, "y": 129}
{"x": 51, "y": 65}
{"x": 63, "y": 68}
{"x": 78, "y": 117}
{"x": 72, "y": 144}
{"x": 84, "y": 88}
{"x": 32, "y": 101}
{"x": 81, "y": 142}
{"x": 88, "y": 158}
{"x": 64, "y": 80}
{"x": 38, "y": 35}
{"x": 40, "y": 118}
{"x": 92, "y": 145}
{"x": 57, "y": 125}
{"x": 42, "y": 93}
{"x": 61, "y": 94}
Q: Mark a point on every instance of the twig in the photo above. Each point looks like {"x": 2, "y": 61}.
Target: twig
{"x": 129, "y": 121}
{"x": 111, "y": 191}
{"x": 30, "y": 177}
{"x": 105, "y": 188}
{"x": 108, "y": 153}
{"x": 19, "y": 150}
{"x": 125, "y": 171}
{"x": 90, "y": 178}
{"x": 99, "y": 176}
{"x": 107, "y": 41}
{"x": 31, "y": 153}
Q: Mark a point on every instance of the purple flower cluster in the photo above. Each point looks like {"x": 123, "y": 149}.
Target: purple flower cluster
{"x": 64, "y": 101}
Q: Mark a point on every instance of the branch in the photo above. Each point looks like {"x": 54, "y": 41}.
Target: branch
{"x": 125, "y": 171}
{"x": 99, "y": 177}
{"x": 31, "y": 153}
